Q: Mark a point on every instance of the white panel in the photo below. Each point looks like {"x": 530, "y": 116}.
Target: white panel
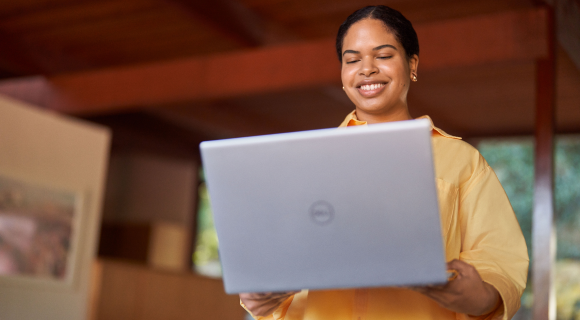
{"x": 50, "y": 150}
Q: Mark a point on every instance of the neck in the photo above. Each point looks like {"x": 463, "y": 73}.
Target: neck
{"x": 396, "y": 115}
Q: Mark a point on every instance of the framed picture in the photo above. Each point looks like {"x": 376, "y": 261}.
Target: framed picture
{"x": 39, "y": 227}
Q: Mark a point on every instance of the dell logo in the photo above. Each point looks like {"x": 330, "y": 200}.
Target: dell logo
{"x": 321, "y": 212}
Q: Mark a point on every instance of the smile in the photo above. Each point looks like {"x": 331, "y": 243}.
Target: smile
{"x": 369, "y": 87}
{"x": 371, "y": 90}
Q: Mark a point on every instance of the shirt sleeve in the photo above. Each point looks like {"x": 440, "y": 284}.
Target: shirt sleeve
{"x": 278, "y": 314}
{"x": 492, "y": 240}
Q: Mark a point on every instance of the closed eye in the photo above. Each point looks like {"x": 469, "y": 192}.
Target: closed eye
{"x": 385, "y": 57}
{"x": 351, "y": 61}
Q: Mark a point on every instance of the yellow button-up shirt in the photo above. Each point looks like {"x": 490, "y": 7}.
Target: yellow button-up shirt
{"x": 478, "y": 226}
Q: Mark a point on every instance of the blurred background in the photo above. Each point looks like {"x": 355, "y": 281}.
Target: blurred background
{"x": 164, "y": 75}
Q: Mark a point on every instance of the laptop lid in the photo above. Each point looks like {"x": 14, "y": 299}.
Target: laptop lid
{"x": 330, "y": 208}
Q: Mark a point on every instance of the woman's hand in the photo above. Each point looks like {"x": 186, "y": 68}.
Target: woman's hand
{"x": 264, "y": 304}
{"x": 467, "y": 293}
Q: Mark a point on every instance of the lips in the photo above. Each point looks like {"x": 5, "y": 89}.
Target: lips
{"x": 370, "y": 89}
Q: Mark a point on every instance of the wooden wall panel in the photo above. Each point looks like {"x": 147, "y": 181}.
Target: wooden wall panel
{"x": 140, "y": 293}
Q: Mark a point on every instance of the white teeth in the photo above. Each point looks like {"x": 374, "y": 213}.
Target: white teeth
{"x": 371, "y": 86}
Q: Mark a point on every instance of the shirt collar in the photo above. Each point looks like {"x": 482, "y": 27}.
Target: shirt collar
{"x": 352, "y": 120}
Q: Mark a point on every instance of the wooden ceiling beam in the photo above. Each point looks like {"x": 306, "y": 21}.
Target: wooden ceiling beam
{"x": 568, "y": 28}
{"x": 509, "y": 36}
{"x": 221, "y": 120}
{"x": 16, "y": 58}
{"x": 235, "y": 21}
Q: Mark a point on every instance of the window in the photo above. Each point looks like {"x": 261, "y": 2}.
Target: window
{"x": 513, "y": 163}
{"x": 567, "y": 212}
{"x": 205, "y": 256}
{"x": 512, "y": 160}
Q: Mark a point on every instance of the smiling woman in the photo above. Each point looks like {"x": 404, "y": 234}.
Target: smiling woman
{"x": 376, "y": 72}
{"x": 379, "y": 54}
{"x": 377, "y": 67}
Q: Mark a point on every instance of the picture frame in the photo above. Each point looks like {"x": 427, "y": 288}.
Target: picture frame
{"x": 40, "y": 233}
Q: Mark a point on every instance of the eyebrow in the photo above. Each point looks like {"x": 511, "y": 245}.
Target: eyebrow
{"x": 374, "y": 49}
{"x": 384, "y": 46}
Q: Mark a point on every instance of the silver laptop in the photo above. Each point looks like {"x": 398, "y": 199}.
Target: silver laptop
{"x": 330, "y": 208}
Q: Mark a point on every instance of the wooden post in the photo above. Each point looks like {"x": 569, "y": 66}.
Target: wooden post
{"x": 543, "y": 240}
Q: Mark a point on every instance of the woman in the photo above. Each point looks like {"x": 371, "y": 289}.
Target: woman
{"x": 379, "y": 53}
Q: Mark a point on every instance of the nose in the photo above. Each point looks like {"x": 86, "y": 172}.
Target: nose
{"x": 368, "y": 67}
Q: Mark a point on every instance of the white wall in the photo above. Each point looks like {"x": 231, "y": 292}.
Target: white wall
{"x": 65, "y": 153}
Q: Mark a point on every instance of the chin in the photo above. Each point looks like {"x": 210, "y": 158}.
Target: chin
{"x": 373, "y": 109}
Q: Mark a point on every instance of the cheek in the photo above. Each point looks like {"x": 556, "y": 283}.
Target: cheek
{"x": 396, "y": 70}
{"x": 347, "y": 75}
{"x": 399, "y": 76}
{"x": 344, "y": 77}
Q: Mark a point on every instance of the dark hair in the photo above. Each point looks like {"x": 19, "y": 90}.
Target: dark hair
{"x": 394, "y": 21}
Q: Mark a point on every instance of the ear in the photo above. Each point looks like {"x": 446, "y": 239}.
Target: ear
{"x": 413, "y": 65}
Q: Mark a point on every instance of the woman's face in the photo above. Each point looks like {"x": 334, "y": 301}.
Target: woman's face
{"x": 375, "y": 71}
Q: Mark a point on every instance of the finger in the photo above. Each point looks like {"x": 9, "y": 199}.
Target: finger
{"x": 452, "y": 274}
{"x": 257, "y": 296}
{"x": 455, "y": 264}
{"x": 288, "y": 292}
{"x": 460, "y": 266}
{"x": 438, "y": 296}
{"x": 418, "y": 289}
{"x": 267, "y": 295}
{"x": 437, "y": 286}
{"x": 285, "y": 294}
{"x": 247, "y": 295}
{"x": 429, "y": 288}
{"x": 263, "y": 310}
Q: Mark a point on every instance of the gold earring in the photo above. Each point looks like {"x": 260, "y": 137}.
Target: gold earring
{"x": 414, "y": 77}
{"x": 342, "y": 88}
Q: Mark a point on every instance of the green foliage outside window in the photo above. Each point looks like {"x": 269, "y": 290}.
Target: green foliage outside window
{"x": 567, "y": 202}
{"x": 513, "y": 163}
{"x": 205, "y": 257}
